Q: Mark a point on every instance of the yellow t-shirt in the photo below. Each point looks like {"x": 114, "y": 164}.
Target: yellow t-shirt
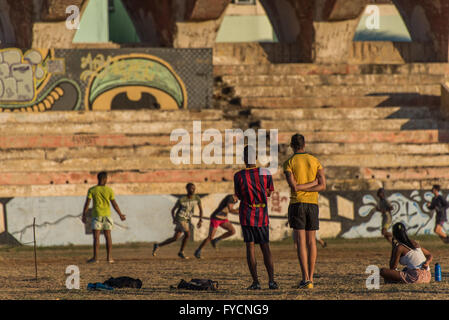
{"x": 101, "y": 195}
{"x": 304, "y": 168}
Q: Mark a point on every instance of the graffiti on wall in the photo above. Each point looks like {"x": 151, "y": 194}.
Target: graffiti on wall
{"x": 342, "y": 214}
{"x": 104, "y": 79}
{"x": 33, "y": 81}
{"x": 410, "y": 209}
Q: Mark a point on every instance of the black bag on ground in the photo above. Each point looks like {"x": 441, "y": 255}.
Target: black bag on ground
{"x": 198, "y": 284}
{"x": 123, "y": 282}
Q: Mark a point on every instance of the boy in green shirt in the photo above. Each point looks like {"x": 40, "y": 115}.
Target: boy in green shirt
{"x": 182, "y": 213}
{"x": 102, "y": 196}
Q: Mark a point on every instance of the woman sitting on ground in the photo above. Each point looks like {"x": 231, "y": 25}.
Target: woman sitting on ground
{"x": 409, "y": 253}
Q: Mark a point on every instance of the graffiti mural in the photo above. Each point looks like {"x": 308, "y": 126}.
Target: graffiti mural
{"x": 135, "y": 82}
{"x": 410, "y": 209}
{"x": 33, "y": 81}
{"x": 342, "y": 214}
{"x": 104, "y": 79}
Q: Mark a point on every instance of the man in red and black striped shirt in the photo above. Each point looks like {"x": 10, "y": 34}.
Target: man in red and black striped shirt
{"x": 253, "y": 186}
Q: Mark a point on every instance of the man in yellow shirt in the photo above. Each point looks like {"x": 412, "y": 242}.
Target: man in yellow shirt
{"x": 102, "y": 197}
{"x": 305, "y": 176}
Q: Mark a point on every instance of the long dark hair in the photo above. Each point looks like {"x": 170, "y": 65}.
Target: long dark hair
{"x": 400, "y": 234}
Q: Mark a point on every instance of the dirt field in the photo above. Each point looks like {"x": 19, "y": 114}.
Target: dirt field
{"x": 340, "y": 272}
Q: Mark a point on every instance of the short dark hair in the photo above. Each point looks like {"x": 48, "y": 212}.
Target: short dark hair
{"x": 298, "y": 141}
{"x": 189, "y": 184}
{"x": 102, "y": 175}
{"x": 249, "y": 155}
{"x": 379, "y": 191}
{"x": 436, "y": 187}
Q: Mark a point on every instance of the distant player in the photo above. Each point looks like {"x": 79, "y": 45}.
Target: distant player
{"x": 182, "y": 213}
{"x": 253, "y": 186}
{"x": 320, "y": 241}
{"x": 440, "y": 205}
{"x": 102, "y": 197}
{"x": 385, "y": 208}
{"x": 219, "y": 218}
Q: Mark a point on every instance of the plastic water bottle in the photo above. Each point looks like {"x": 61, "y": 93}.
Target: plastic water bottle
{"x": 437, "y": 272}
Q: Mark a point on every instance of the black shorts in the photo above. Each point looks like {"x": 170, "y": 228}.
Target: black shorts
{"x": 441, "y": 217}
{"x": 259, "y": 235}
{"x": 303, "y": 216}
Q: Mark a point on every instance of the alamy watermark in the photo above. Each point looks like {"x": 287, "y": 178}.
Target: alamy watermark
{"x": 73, "y": 280}
{"x": 73, "y": 20}
{"x": 373, "y": 280}
{"x": 373, "y": 20}
{"x": 192, "y": 152}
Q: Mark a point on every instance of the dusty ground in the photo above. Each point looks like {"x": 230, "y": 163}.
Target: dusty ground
{"x": 340, "y": 272}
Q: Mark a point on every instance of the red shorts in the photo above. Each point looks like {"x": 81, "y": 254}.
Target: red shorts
{"x": 215, "y": 223}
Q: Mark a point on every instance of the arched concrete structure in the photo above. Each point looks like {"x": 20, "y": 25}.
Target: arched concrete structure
{"x": 322, "y": 30}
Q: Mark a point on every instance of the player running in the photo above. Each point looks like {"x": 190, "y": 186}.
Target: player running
{"x": 385, "y": 208}
{"x": 440, "y": 205}
{"x": 182, "y": 213}
{"x": 219, "y": 218}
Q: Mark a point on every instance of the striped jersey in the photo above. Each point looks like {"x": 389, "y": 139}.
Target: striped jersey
{"x": 251, "y": 186}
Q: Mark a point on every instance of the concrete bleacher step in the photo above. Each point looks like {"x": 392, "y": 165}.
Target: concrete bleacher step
{"x": 163, "y": 152}
{"x": 359, "y": 174}
{"x": 111, "y": 116}
{"x": 350, "y": 125}
{"x": 332, "y": 69}
{"x": 392, "y": 137}
{"x": 399, "y": 99}
{"x": 430, "y": 149}
{"x": 50, "y": 141}
{"x": 147, "y": 163}
{"x": 330, "y": 91}
{"x": 319, "y": 80}
{"x": 159, "y": 127}
{"x": 341, "y": 113}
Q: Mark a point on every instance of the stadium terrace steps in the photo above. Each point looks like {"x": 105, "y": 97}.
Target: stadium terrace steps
{"x": 332, "y": 69}
{"x": 333, "y": 173}
{"x": 342, "y": 113}
{"x": 207, "y": 187}
{"x": 374, "y": 101}
{"x": 370, "y": 125}
{"x": 330, "y": 91}
{"x": 163, "y": 163}
{"x": 92, "y": 117}
{"x": 392, "y": 137}
{"x": 163, "y": 152}
{"x": 79, "y": 141}
{"x": 350, "y": 125}
{"x": 149, "y": 127}
{"x": 334, "y": 80}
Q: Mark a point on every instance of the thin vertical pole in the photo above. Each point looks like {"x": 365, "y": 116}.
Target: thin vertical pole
{"x": 35, "y": 256}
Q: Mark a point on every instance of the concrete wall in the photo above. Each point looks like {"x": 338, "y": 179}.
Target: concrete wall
{"x": 342, "y": 214}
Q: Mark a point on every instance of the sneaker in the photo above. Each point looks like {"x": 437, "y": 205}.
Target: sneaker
{"x": 273, "y": 285}
{"x": 92, "y": 261}
{"x": 305, "y": 285}
{"x": 182, "y": 256}
{"x": 254, "y": 286}
{"x": 214, "y": 243}
{"x": 197, "y": 254}
{"x": 155, "y": 248}
{"x": 324, "y": 245}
